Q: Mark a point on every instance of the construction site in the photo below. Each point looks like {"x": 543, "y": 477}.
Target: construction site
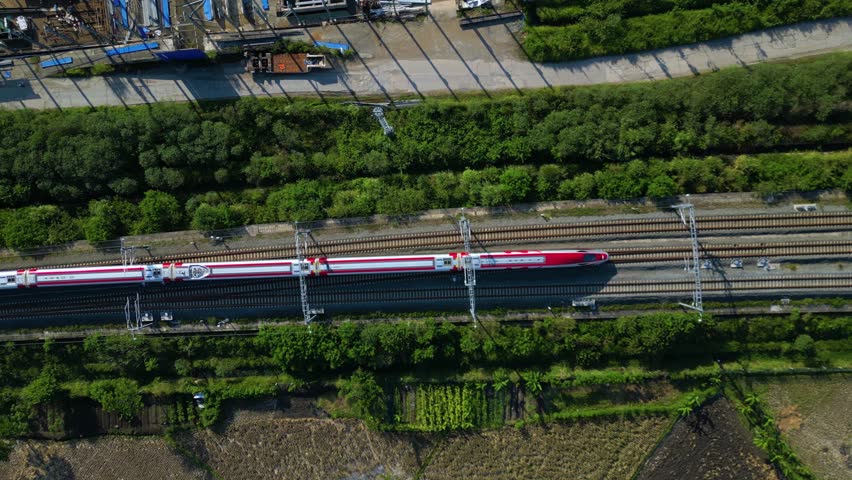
{"x": 31, "y": 26}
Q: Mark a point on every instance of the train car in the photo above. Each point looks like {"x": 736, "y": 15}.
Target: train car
{"x": 8, "y": 280}
{"x": 317, "y": 266}
{"x": 82, "y": 276}
{"x": 395, "y": 264}
{"x": 539, "y": 259}
{"x": 230, "y": 270}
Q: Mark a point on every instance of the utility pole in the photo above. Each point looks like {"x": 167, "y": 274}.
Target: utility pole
{"x": 687, "y": 216}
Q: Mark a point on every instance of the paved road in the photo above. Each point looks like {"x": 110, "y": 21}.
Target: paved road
{"x": 430, "y": 57}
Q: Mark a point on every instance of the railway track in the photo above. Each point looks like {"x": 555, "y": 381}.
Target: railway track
{"x": 840, "y": 249}
{"x": 273, "y": 296}
{"x": 665, "y": 227}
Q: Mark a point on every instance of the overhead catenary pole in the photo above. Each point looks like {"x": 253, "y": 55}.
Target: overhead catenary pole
{"x": 467, "y": 265}
{"x": 687, "y": 216}
{"x": 308, "y": 313}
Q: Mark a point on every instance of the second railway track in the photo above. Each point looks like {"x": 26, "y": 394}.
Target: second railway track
{"x": 666, "y": 227}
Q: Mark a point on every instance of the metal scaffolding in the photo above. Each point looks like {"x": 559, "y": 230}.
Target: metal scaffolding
{"x": 308, "y": 313}
{"x": 467, "y": 265}
{"x": 687, "y": 216}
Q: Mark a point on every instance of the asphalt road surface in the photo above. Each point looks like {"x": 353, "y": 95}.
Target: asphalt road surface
{"x": 422, "y": 58}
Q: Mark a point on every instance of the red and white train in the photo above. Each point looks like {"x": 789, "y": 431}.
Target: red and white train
{"x": 317, "y": 266}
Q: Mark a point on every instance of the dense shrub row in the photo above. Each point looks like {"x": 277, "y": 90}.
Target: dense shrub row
{"x": 108, "y": 368}
{"x": 609, "y": 27}
{"x": 75, "y": 156}
{"x": 399, "y": 194}
{"x": 559, "y": 12}
{"x": 333, "y": 160}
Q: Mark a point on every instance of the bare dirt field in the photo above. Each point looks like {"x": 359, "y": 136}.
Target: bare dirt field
{"x": 711, "y": 443}
{"x": 259, "y": 447}
{"x": 100, "y": 458}
{"x": 813, "y": 415}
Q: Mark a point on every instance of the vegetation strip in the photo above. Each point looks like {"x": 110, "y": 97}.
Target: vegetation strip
{"x": 144, "y": 170}
{"x": 369, "y": 363}
{"x": 567, "y": 30}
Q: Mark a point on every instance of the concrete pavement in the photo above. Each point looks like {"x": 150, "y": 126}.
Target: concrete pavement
{"x": 434, "y": 56}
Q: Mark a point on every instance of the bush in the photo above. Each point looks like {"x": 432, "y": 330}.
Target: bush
{"x": 594, "y": 31}
{"x": 119, "y": 396}
{"x": 159, "y": 212}
{"x": 35, "y": 226}
{"x": 365, "y": 397}
{"x": 102, "y": 69}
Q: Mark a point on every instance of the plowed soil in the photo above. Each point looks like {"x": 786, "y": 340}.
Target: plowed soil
{"x": 709, "y": 444}
{"x": 262, "y": 447}
{"x": 101, "y": 458}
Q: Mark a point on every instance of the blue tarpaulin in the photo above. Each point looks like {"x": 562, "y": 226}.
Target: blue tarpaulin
{"x": 139, "y": 47}
{"x": 334, "y": 46}
{"x": 182, "y": 55}
{"x": 122, "y": 10}
{"x": 208, "y": 10}
{"x": 167, "y": 15}
{"x": 265, "y": 4}
{"x": 57, "y": 62}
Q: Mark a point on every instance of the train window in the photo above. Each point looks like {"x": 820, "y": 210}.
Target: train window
{"x": 590, "y": 257}
{"x": 447, "y": 262}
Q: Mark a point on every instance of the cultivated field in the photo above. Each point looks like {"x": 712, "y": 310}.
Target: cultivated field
{"x": 101, "y": 458}
{"x": 602, "y": 449}
{"x": 268, "y": 446}
{"x": 710, "y": 444}
{"x": 814, "y": 416}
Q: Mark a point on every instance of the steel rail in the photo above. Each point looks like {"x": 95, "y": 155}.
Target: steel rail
{"x": 517, "y": 234}
{"x": 241, "y": 296}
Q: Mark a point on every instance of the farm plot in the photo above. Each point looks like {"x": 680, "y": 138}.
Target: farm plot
{"x": 600, "y": 449}
{"x": 103, "y": 458}
{"x": 814, "y": 417}
{"x": 710, "y": 444}
{"x": 262, "y": 447}
{"x": 258, "y": 447}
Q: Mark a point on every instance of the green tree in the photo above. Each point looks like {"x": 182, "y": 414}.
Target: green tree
{"x": 36, "y": 226}
{"x": 119, "y": 396}
{"x": 517, "y": 183}
{"x": 547, "y": 181}
{"x": 301, "y": 201}
{"x": 581, "y": 187}
{"x": 208, "y": 217}
{"x": 400, "y": 201}
{"x": 108, "y": 219}
{"x": 159, "y": 212}
{"x": 42, "y": 389}
{"x": 365, "y": 396}
{"x": 662, "y": 186}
